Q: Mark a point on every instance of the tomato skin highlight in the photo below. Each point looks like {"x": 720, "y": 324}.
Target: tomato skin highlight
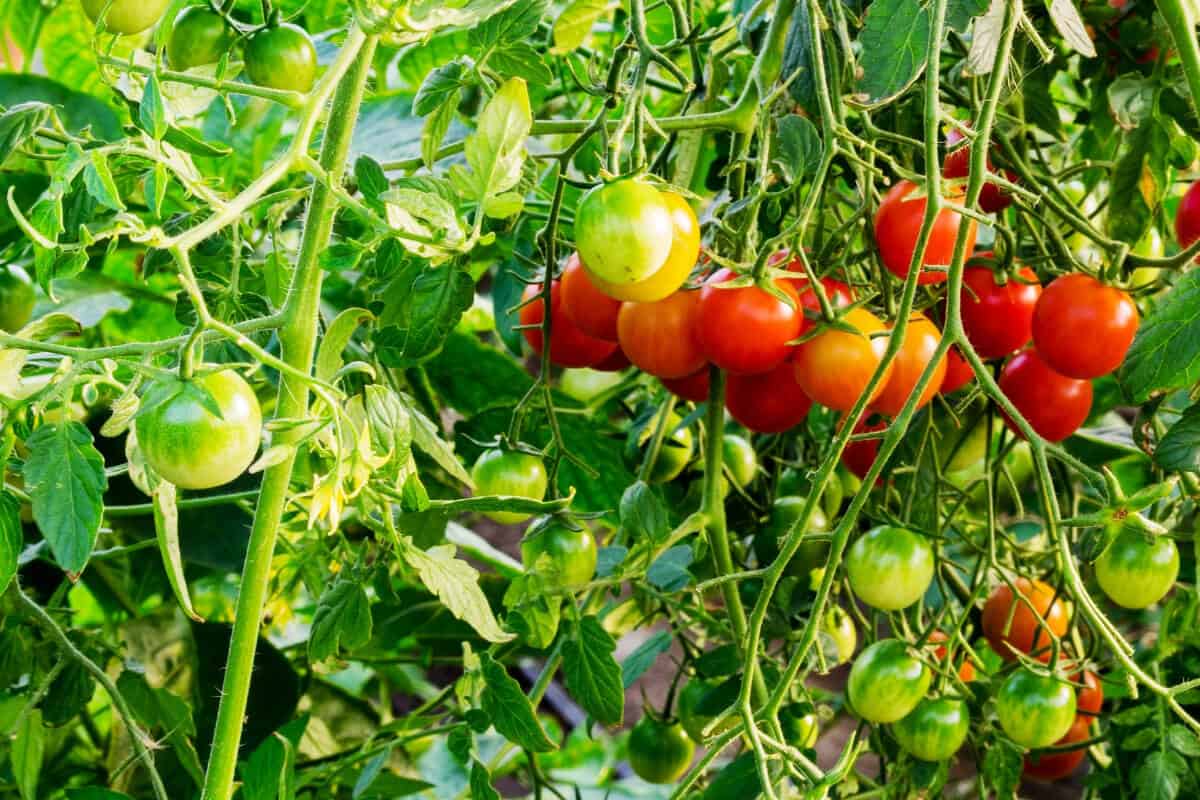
{"x": 898, "y": 224}
{"x": 660, "y": 338}
{"x": 1187, "y": 218}
{"x": 571, "y": 553}
{"x": 886, "y": 682}
{"x": 681, "y": 259}
{"x": 1056, "y": 766}
{"x": 921, "y": 340}
{"x": 835, "y": 366}
{"x": 623, "y": 231}
{"x": 889, "y": 568}
{"x": 746, "y": 330}
{"x": 282, "y": 57}
{"x": 1025, "y": 633}
{"x": 569, "y": 346}
{"x": 592, "y": 311}
{"x": 1035, "y": 710}
{"x": 17, "y": 298}
{"x": 659, "y": 752}
{"x": 935, "y": 730}
{"x": 958, "y": 372}
{"x": 1082, "y": 328}
{"x": 1135, "y": 573}
{"x": 998, "y": 319}
{"x": 769, "y": 402}
{"x": 199, "y": 36}
{"x": 1054, "y": 405}
{"x": 499, "y": 472}
{"x": 125, "y": 16}
{"x": 692, "y": 387}
{"x": 189, "y": 446}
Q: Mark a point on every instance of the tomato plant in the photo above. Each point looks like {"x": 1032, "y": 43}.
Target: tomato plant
{"x": 992, "y": 199}
{"x": 898, "y": 223}
{"x": 1027, "y": 623}
{"x": 680, "y": 260}
{"x": 1054, "y": 766}
{"x": 569, "y": 346}
{"x": 562, "y": 552}
{"x": 958, "y": 372}
{"x": 659, "y": 751}
{"x": 125, "y": 16}
{"x": 767, "y": 402}
{"x": 747, "y": 330}
{"x": 662, "y": 337}
{"x": 591, "y": 310}
{"x": 1136, "y": 573}
{"x": 921, "y": 340}
{"x": 17, "y": 298}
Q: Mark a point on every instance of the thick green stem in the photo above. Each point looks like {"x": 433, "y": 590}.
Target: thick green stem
{"x": 1181, "y": 22}
{"x": 298, "y": 341}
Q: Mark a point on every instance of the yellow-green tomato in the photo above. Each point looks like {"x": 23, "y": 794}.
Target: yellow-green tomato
{"x": 508, "y": 473}
{"x": 741, "y": 463}
{"x": 935, "y": 729}
{"x": 585, "y": 384}
{"x": 185, "y": 443}
{"x": 886, "y": 682}
{"x": 282, "y": 57}
{"x": 563, "y": 555}
{"x": 800, "y": 725}
{"x": 837, "y": 629}
{"x": 674, "y": 453}
{"x": 1136, "y": 572}
{"x": 659, "y": 752}
{"x": 623, "y": 231}
{"x": 1035, "y": 710}
{"x": 125, "y": 16}
{"x": 890, "y": 568}
{"x": 16, "y": 298}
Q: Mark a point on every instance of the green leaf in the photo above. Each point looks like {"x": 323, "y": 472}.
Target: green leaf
{"x": 738, "y": 778}
{"x": 638, "y": 662}
{"x": 1139, "y": 182}
{"x": 372, "y": 180}
{"x": 19, "y": 123}
{"x": 521, "y": 60}
{"x": 95, "y": 793}
{"x": 269, "y": 773}
{"x": 440, "y": 86}
{"x": 337, "y": 336}
{"x": 389, "y": 424}
{"x": 669, "y": 571}
{"x": 1067, "y": 19}
{"x": 427, "y": 438}
{"x": 798, "y": 60}
{"x": 797, "y": 150}
{"x": 431, "y": 222}
{"x": 1165, "y": 354}
{"x": 11, "y": 538}
{"x": 959, "y": 13}
{"x": 510, "y": 710}
{"x": 413, "y": 328}
{"x": 98, "y": 179}
{"x": 161, "y": 710}
{"x": 370, "y": 773}
{"x": 643, "y": 514}
{"x": 1179, "y": 449}
{"x": 1002, "y": 765}
{"x": 1159, "y": 776}
{"x": 68, "y": 694}
{"x": 1131, "y": 99}
{"x": 64, "y": 475}
{"x": 514, "y": 24}
{"x": 181, "y": 139}
{"x": 434, "y": 131}
{"x": 533, "y": 611}
{"x": 1183, "y": 741}
{"x": 895, "y": 45}
{"x": 27, "y": 753}
{"x": 456, "y": 584}
{"x": 152, "y": 112}
{"x": 574, "y": 24}
{"x": 158, "y": 180}
{"x": 592, "y": 674}
{"x": 481, "y": 783}
{"x": 343, "y": 615}
{"x": 495, "y": 153}
{"x": 166, "y": 527}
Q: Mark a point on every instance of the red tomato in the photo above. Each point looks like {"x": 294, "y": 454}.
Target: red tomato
{"x": 592, "y": 311}
{"x": 1056, "y": 766}
{"x": 1090, "y": 696}
{"x": 614, "y": 363}
{"x": 966, "y": 670}
{"x": 692, "y": 387}
{"x": 1083, "y": 328}
{"x": 998, "y": 319}
{"x": 897, "y": 224}
{"x": 958, "y": 372}
{"x": 958, "y": 163}
{"x": 1187, "y": 218}
{"x": 661, "y": 337}
{"x": 859, "y": 456}
{"x": 569, "y": 346}
{"x": 746, "y": 330}
{"x": 1054, "y": 404}
{"x": 769, "y": 402}
{"x": 839, "y": 294}
{"x": 921, "y": 339}
{"x": 834, "y": 367}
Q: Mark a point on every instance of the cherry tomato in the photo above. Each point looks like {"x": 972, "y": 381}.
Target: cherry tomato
{"x": 784, "y": 513}
{"x": 509, "y": 473}
{"x": 838, "y": 631}
{"x": 282, "y": 57}
{"x": 958, "y": 372}
{"x": 1082, "y": 328}
{"x": 689, "y": 708}
{"x": 800, "y": 725}
{"x": 886, "y": 682}
{"x": 615, "y": 362}
{"x": 1056, "y": 766}
{"x": 125, "y": 16}
{"x": 623, "y": 231}
{"x": 1035, "y": 710}
{"x": 199, "y": 36}
{"x": 586, "y": 384}
{"x": 1012, "y": 626}
{"x": 659, "y": 752}
{"x": 1090, "y": 696}
{"x": 992, "y": 199}
{"x": 569, "y": 346}
{"x": 835, "y": 366}
{"x": 769, "y": 402}
{"x": 837, "y": 293}
{"x": 998, "y": 319}
{"x": 740, "y": 460}
{"x": 1136, "y": 573}
{"x": 889, "y": 568}
{"x": 934, "y": 730}
{"x": 190, "y": 446}
{"x": 747, "y": 330}
{"x": 16, "y": 298}
{"x": 966, "y": 670}
{"x": 1054, "y": 405}
{"x": 1187, "y": 218}
{"x": 898, "y": 224}
{"x": 592, "y": 311}
{"x": 921, "y": 339}
{"x": 661, "y": 338}
{"x": 681, "y": 260}
{"x": 859, "y": 456}
{"x": 564, "y": 557}
{"x": 692, "y": 387}
{"x": 674, "y": 452}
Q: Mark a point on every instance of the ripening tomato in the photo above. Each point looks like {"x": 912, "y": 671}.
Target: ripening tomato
{"x": 1055, "y": 766}
{"x": 1187, "y": 218}
{"x": 966, "y": 670}
{"x": 125, "y": 16}
{"x": 509, "y": 473}
{"x": 681, "y": 260}
{"x": 1011, "y": 626}
{"x": 282, "y": 57}
{"x": 1089, "y": 697}
{"x": 992, "y": 198}
{"x": 958, "y": 372}
{"x": 1135, "y": 572}
{"x": 564, "y": 555}
{"x": 898, "y": 224}
{"x": 998, "y": 318}
{"x": 199, "y": 36}
{"x": 859, "y": 456}
{"x": 692, "y": 387}
{"x": 661, "y": 338}
{"x": 623, "y": 231}
{"x": 1035, "y": 710}
{"x": 837, "y": 293}
{"x": 592, "y": 311}
{"x": 747, "y": 330}
{"x": 835, "y": 366}
{"x": 886, "y": 682}
{"x": 889, "y": 568}
{"x": 569, "y": 346}
{"x": 769, "y": 402}
{"x": 1054, "y": 405}
{"x": 659, "y": 752}
{"x": 1083, "y": 328}
{"x": 921, "y": 340}
{"x": 16, "y": 298}
{"x": 935, "y": 730}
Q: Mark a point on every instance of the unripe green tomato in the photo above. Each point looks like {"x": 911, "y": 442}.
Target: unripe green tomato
{"x": 188, "y": 445}
{"x": 199, "y": 36}
{"x": 741, "y": 463}
{"x": 793, "y": 483}
{"x": 585, "y": 384}
{"x": 282, "y": 57}
{"x": 935, "y": 729}
{"x": 889, "y": 568}
{"x": 16, "y": 298}
{"x": 565, "y": 558}
{"x": 691, "y": 717}
{"x": 125, "y": 16}
{"x": 659, "y": 752}
{"x": 800, "y": 725}
{"x": 1035, "y": 710}
{"x": 509, "y": 473}
{"x": 674, "y": 453}
{"x": 837, "y": 629}
{"x": 623, "y": 231}
{"x": 886, "y": 682}
{"x": 1136, "y": 573}
{"x": 784, "y": 513}
{"x": 1150, "y": 246}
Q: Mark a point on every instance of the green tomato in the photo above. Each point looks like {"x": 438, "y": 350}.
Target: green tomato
{"x": 800, "y": 725}
{"x": 282, "y": 57}
{"x": 585, "y": 384}
{"x": 1035, "y": 710}
{"x": 674, "y": 453}
{"x": 890, "y": 568}
{"x": 739, "y": 458}
{"x": 886, "y": 682}
{"x": 16, "y": 298}
{"x": 692, "y": 716}
{"x": 659, "y": 752}
{"x": 511, "y": 474}
{"x": 838, "y": 631}
{"x": 199, "y": 36}
{"x": 784, "y": 513}
{"x": 563, "y": 556}
{"x": 793, "y": 482}
{"x": 623, "y": 231}
{"x": 190, "y": 446}
{"x": 1150, "y": 246}
{"x": 935, "y": 729}
{"x": 1136, "y": 573}
{"x": 125, "y": 16}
